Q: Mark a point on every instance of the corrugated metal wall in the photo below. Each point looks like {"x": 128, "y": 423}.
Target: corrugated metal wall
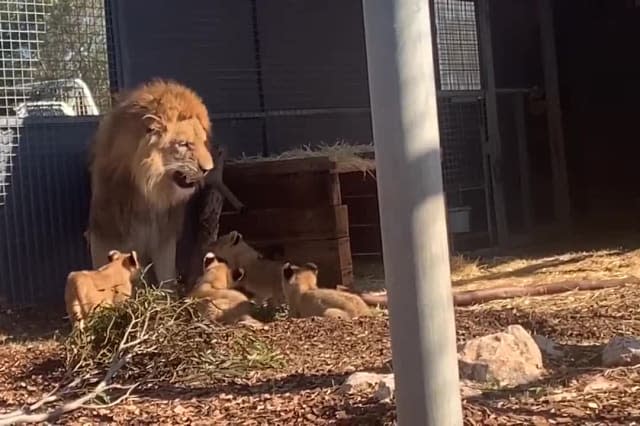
{"x": 209, "y": 46}
{"x": 275, "y": 74}
{"x": 45, "y": 212}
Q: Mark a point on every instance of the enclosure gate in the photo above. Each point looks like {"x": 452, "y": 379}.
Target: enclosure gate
{"x": 462, "y": 115}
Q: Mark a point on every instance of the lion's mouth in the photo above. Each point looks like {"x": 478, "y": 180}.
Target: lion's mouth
{"x": 183, "y": 181}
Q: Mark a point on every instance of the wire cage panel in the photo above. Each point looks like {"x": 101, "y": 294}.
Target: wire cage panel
{"x": 457, "y": 44}
{"x": 53, "y": 63}
{"x": 461, "y": 138}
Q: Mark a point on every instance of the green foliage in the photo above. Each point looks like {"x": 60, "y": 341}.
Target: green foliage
{"x": 165, "y": 340}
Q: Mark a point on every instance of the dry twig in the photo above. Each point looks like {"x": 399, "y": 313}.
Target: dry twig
{"x": 27, "y": 415}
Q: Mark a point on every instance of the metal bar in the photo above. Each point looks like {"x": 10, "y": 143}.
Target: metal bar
{"x": 554, "y": 115}
{"x": 488, "y": 190}
{"x": 523, "y": 160}
{"x": 259, "y": 78}
{"x": 512, "y": 90}
{"x": 289, "y": 112}
{"x": 493, "y": 126}
{"x": 412, "y": 211}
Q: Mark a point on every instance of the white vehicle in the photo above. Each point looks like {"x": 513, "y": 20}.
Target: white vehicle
{"x": 63, "y": 97}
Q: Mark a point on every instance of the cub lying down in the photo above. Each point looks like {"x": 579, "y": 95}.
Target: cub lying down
{"x": 262, "y": 277}
{"x": 305, "y": 299}
{"x": 220, "y": 303}
{"x": 108, "y": 285}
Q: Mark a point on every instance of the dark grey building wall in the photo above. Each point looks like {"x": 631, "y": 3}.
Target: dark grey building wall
{"x": 45, "y": 213}
{"x": 208, "y": 46}
{"x": 253, "y": 57}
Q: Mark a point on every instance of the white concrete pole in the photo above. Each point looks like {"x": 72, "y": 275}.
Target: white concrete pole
{"x": 414, "y": 234}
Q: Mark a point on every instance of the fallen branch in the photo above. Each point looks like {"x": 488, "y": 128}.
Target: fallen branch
{"x": 475, "y": 297}
{"x": 26, "y": 415}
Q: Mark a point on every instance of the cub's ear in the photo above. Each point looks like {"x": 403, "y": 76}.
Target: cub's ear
{"x": 154, "y": 123}
{"x": 113, "y": 255}
{"x": 237, "y": 274}
{"x": 236, "y": 237}
{"x": 289, "y": 270}
{"x": 310, "y": 266}
{"x": 208, "y": 260}
{"x": 131, "y": 261}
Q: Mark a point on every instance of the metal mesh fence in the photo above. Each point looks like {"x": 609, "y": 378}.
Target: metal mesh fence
{"x": 53, "y": 62}
{"x": 461, "y": 112}
{"x": 457, "y": 44}
{"x": 461, "y": 137}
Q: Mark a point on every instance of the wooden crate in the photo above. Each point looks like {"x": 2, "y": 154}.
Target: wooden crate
{"x": 295, "y": 212}
{"x": 360, "y": 193}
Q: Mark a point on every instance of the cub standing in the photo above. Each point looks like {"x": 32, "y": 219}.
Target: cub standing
{"x": 108, "y": 285}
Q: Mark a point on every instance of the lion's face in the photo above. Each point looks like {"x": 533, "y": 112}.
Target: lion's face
{"x": 175, "y": 159}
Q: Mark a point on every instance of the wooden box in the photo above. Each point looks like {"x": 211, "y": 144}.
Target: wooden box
{"x": 295, "y": 212}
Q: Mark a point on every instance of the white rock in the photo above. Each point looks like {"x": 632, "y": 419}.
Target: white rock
{"x": 508, "y": 359}
{"x": 621, "y": 351}
{"x": 362, "y": 379}
{"x": 386, "y": 388}
{"x": 468, "y": 389}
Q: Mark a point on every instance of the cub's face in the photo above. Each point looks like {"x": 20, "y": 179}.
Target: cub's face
{"x": 217, "y": 272}
{"x": 128, "y": 261}
{"x": 299, "y": 278}
{"x": 234, "y": 248}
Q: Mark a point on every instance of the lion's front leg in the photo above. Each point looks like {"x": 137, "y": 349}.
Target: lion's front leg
{"x": 164, "y": 261}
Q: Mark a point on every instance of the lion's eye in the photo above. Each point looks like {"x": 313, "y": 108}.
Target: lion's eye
{"x": 183, "y": 146}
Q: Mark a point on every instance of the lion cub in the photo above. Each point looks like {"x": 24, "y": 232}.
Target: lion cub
{"x": 305, "y": 299}
{"x": 262, "y": 277}
{"x": 219, "y": 302}
{"x": 108, "y": 285}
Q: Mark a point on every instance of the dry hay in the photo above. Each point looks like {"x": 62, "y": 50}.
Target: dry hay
{"x": 348, "y": 156}
{"x": 527, "y": 271}
{"x": 155, "y": 329}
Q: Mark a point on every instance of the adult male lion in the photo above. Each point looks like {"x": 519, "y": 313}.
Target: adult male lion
{"x": 149, "y": 155}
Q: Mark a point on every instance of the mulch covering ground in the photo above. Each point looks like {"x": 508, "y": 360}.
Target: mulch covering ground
{"x": 321, "y": 353}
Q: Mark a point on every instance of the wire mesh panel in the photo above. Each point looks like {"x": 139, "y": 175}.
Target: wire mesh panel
{"x": 53, "y": 62}
{"x": 461, "y": 112}
{"x": 53, "y": 70}
{"x": 461, "y": 137}
{"x": 457, "y": 44}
